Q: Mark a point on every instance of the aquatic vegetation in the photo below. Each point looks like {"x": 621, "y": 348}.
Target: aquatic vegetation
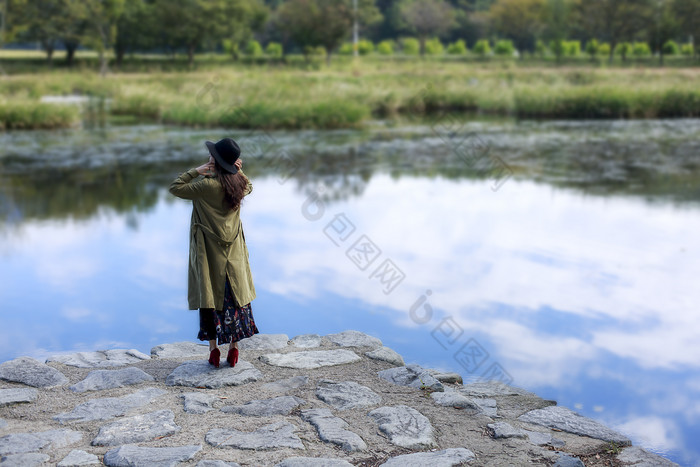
{"x": 34, "y": 115}
{"x": 349, "y": 93}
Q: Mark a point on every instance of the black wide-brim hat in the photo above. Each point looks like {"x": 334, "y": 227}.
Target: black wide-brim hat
{"x": 226, "y": 152}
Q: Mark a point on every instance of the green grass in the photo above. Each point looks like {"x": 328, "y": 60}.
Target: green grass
{"x": 348, "y": 93}
{"x": 34, "y": 115}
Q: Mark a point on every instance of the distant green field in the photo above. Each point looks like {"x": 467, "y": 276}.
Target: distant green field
{"x": 348, "y": 93}
{"x": 30, "y": 61}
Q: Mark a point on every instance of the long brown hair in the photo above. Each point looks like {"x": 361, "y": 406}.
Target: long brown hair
{"x": 234, "y": 186}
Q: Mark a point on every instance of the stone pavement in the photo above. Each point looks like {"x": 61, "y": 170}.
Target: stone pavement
{"x": 337, "y": 400}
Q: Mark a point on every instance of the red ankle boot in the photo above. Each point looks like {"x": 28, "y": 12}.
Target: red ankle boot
{"x": 214, "y": 357}
{"x": 232, "y": 357}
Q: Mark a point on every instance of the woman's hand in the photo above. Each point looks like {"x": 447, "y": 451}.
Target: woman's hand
{"x": 206, "y": 169}
{"x": 238, "y": 163}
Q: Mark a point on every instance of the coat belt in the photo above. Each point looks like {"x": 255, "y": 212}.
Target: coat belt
{"x": 209, "y": 233}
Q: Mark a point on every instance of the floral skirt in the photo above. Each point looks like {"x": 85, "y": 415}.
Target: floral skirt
{"x": 228, "y": 325}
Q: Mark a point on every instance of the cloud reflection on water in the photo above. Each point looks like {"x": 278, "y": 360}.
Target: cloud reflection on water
{"x": 557, "y": 286}
{"x": 528, "y": 248}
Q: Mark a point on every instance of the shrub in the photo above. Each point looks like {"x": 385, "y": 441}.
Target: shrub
{"x": 641, "y": 49}
{"x": 386, "y": 47}
{"x": 540, "y": 48}
{"x": 410, "y": 46}
{"x": 365, "y": 47}
{"x": 229, "y": 46}
{"x": 671, "y": 48}
{"x": 482, "y": 47}
{"x": 504, "y": 47}
{"x": 274, "y": 49}
{"x": 345, "y": 49}
{"x": 457, "y": 48}
{"x": 572, "y": 48}
{"x": 253, "y": 48}
{"x": 434, "y": 47}
{"x": 592, "y": 48}
{"x": 311, "y": 50}
{"x": 558, "y": 47}
{"x": 604, "y": 49}
{"x": 687, "y": 49}
{"x": 623, "y": 49}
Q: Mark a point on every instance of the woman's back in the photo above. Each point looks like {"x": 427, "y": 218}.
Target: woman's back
{"x": 217, "y": 243}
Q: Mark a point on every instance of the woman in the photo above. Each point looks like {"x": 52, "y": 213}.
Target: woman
{"x": 220, "y": 283}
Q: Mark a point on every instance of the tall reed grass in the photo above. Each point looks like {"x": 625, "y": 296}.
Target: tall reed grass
{"x": 35, "y": 115}
{"x": 348, "y": 94}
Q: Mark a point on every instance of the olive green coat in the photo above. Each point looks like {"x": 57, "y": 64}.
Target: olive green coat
{"x": 217, "y": 244}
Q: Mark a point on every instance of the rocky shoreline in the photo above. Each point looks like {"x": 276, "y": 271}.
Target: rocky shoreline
{"x": 337, "y": 400}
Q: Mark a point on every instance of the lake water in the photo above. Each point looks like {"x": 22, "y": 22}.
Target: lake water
{"x": 562, "y": 257}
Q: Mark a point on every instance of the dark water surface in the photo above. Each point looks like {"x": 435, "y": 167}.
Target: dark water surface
{"x": 560, "y": 256}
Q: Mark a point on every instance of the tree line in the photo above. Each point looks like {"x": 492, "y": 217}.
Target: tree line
{"x": 303, "y": 26}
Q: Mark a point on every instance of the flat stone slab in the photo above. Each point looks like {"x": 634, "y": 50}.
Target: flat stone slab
{"x": 491, "y": 389}
{"x": 444, "y": 458}
{"x": 411, "y": 375}
{"x": 284, "y": 385}
{"x": 638, "y": 457}
{"x": 346, "y": 395}
{"x": 313, "y": 462}
{"x": 568, "y": 461}
{"x": 306, "y": 341}
{"x": 354, "y": 339}
{"x": 216, "y": 463}
{"x": 24, "y": 460}
{"x": 567, "y": 420}
{"x": 108, "y": 379}
{"x": 199, "y": 373}
{"x": 31, "y": 372}
{"x": 487, "y": 405}
{"x": 405, "y": 426}
{"x": 17, "y": 396}
{"x": 144, "y": 427}
{"x": 281, "y": 405}
{"x": 386, "y": 354}
{"x": 198, "y": 402}
{"x": 310, "y": 359}
{"x": 264, "y": 341}
{"x": 450, "y": 378}
{"x": 180, "y": 350}
{"x": 332, "y": 429}
{"x": 109, "y": 407}
{"x": 19, "y": 443}
{"x": 130, "y": 455}
{"x": 543, "y": 439}
{"x": 100, "y": 358}
{"x": 454, "y": 399}
{"x": 78, "y": 458}
{"x": 275, "y": 435}
{"x": 60, "y": 438}
{"x": 506, "y": 430}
